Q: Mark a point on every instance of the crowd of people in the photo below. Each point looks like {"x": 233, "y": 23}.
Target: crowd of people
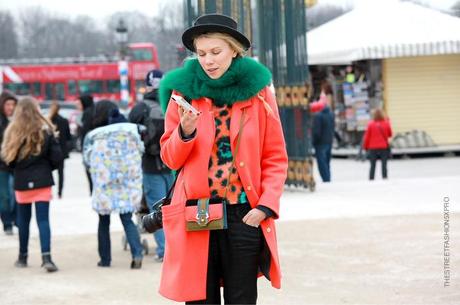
{"x": 121, "y": 159}
{"x": 230, "y": 150}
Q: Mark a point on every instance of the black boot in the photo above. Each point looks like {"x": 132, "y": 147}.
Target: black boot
{"x": 22, "y": 261}
{"x": 48, "y": 263}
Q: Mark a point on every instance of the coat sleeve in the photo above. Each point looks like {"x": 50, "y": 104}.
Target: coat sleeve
{"x": 174, "y": 149}
{"x": 317, "y": 129}
{"x": 367, "y": 136}
{"x": 274, "y": 159}
{"x": 388, "y": 127}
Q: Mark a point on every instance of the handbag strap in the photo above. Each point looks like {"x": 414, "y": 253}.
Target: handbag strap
{"x": 383, "y": 134}
{"x": 168, "y": 196}
{"x": 238, "y": 141}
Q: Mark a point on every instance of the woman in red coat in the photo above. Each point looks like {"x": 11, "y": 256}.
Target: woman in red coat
{"x": 229, "y": 91}
{"x": 376, "y": 142}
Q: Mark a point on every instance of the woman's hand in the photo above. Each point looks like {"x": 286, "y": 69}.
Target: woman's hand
{"x": 188, "y": 121}
{"x": 254, "y": 217}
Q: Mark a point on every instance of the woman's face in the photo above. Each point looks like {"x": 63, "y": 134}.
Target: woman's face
{"x": 8, "y": 107}
{"x": 214, "y": 55}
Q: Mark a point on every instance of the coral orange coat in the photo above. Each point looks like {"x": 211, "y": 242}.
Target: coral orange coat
{"x": 262, "y": 167}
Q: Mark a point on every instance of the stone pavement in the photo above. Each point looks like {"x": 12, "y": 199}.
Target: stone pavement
{"x": 350, "y": 242}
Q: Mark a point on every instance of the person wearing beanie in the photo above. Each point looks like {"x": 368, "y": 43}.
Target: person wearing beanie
{"x": 157, "y": 177}
{"x": 112, "y": 152}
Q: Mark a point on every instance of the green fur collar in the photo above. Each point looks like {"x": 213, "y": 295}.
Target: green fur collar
{"x": 244, "y": 79}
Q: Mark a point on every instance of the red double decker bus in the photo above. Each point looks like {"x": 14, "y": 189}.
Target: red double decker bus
{"x": 66, "y": 78}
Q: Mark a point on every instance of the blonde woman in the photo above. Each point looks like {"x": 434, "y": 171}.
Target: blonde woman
{"x": 232, "y": 151}
{"x": 30, "y": 149}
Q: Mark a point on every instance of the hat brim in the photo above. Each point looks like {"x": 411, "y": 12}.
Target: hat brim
{"x": 191, "y": 33}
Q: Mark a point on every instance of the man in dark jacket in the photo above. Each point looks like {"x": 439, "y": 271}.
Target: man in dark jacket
{"x": 157, "y": 178}
{"x": 87, "y": 106}
{"x": 65, "y": 140}
{"x": 323, "y": 133}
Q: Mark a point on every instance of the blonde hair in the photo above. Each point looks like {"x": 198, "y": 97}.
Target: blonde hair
{"x": 25, "y": 135}
{"x": 232, "y": 42}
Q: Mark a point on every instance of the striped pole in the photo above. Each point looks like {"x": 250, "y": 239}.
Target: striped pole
{"x": 124, "y": 89}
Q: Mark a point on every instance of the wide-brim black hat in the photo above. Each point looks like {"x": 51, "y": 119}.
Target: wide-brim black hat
{"x": 213, "y": 23}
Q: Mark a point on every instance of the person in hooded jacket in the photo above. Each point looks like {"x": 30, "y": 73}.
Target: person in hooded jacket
{"x": 7, "y": 201}
{"x": 234, "y": 101}
{"x": 86, "y": 103}
{"x": 112, "y": 151}
{"x": 157, "y": 178}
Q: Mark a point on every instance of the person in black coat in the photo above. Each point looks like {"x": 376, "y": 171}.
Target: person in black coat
{"x": 65, "y": 140}
{"x": 323, "y": 133}
{"x": 7, "y": 201}
{"x": 87, "y": 107}
{"x": 31, "y": 150}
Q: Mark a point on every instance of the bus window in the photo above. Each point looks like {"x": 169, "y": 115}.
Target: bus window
{"x": 36, "y": 89}
{"x": 90, "y": 86}
{"x": 72, "y": 87}
{"x": 49, "y": 91}
{"x": 113, "y": 86}
{"x": 141, "y": 55}
{"x": 54, "y": 91}
{"x": 59, "y": 91}
{"x": 18, "y": 88}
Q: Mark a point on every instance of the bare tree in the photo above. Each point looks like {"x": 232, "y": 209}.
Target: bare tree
{"x": 456, "y": 9}
{"x": 8, "y": 36}
{"x": 46, "y": 35}
{"x": 43, "y": 34}
{"x": 321, "y": 14}
{"x": 168, "y": 28}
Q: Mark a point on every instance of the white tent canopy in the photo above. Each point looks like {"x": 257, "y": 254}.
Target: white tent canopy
{"x": 384, "y": 30}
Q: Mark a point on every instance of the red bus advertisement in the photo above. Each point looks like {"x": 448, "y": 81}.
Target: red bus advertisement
{"x": 65, "y": 79}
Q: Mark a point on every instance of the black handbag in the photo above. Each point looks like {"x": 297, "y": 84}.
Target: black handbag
{"x": 55, "y": 154}
{"x": 154, "y": 221}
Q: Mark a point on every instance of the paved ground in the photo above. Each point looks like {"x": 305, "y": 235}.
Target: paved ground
{"x": 350, "y": 242}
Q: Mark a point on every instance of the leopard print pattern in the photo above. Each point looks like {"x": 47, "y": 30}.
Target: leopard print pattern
{"x": 221, "y": 160}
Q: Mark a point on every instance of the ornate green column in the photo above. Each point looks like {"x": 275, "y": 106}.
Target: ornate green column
{"x": 279, "y": 41}
{"x": 283, "y": 48}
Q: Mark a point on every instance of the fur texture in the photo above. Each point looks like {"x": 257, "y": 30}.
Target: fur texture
{"x": 244, "y": 79}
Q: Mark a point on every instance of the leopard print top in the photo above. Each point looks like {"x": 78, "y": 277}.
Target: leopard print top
{"x": 220, "y": 162}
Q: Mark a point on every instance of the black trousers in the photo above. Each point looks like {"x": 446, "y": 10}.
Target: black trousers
{"x": 60, "y": 177}
{"x": 374, "y": 155}
{"x": 234, "y": 256}
{"x": 90, "y": 181}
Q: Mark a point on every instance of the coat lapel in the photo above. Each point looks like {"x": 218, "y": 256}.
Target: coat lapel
{"x": 237, "y": 111}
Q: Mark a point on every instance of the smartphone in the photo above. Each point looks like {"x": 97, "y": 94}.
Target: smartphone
{"x": 184, "y": 104}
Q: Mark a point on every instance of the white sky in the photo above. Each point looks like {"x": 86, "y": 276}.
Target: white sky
{"x": 439, "y": 4}
{"x": 100, "y": 9}
{"x": 94, "y": 8}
